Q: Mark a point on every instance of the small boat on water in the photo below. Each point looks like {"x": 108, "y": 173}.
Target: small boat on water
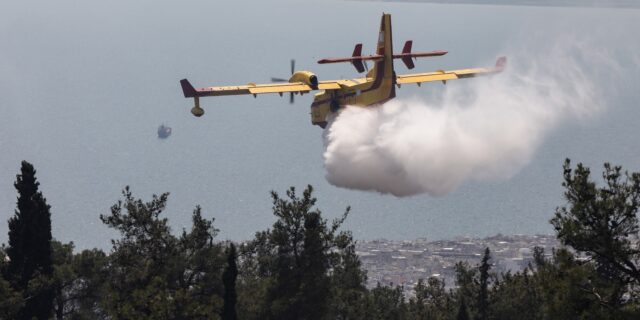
{"x": 164, "y": 131}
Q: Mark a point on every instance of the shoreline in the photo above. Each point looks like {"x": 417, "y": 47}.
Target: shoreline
{"x": 526, "y": 3}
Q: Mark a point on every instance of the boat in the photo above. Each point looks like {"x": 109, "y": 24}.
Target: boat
{"x": 164, "y": 131}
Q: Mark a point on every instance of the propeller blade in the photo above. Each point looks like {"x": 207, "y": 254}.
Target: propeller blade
{"x": 366, "y": 66}
{"x": 293, "y": 66}
{"x": 291, "y": 98}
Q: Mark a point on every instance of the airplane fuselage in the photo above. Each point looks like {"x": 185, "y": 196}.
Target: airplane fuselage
{"x": 361, "y": 92}
{"x": 377, "y": 87}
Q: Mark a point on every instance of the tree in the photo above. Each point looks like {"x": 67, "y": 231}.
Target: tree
{"x": 463, "y": 314}
{"x": 10, "y": 301}
{"x": 348, "y": 297}
{"x": 467, "y": 286}
{"x": 293, "y": 268}
{"x": 483, "y": 296}
{"x": 302, "y": 241}
{"x": 432, "y": 301}
{"x": 156, "y": 275}
{"x": 517, "y": 296}
{"x": 30, "y": 264}
{"x": 387, "y": 302}
{"x": 229, "y": 281}
{"x": 565, "y": 285}
{"x": 78, "y": 282}
{"x": 602, "y": 223}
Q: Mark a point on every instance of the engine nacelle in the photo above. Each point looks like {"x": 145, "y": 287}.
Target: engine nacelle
{"x": 306, "y": 77}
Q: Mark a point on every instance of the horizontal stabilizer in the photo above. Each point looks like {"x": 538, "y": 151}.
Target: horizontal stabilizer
{"x": 350, "y": 59}
{"x": 358, "y": 60}
{"x": 420, "y": 54}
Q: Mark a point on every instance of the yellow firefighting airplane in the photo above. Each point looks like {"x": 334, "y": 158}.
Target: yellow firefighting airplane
{"x": 378, "y": 86}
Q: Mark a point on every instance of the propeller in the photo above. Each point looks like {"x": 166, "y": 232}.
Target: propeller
{"x": 274, "y": 79}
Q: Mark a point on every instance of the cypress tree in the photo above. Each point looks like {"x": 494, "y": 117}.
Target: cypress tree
{"x": 483, "y": 300}
{"x": 29, "y": 247}
{"x": 229, "y": 280}
{"x": 463, "y": 314}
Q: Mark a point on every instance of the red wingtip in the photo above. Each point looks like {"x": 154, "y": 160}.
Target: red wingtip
{"x": 501, "y": 63}
{"x": 187, "y": 89}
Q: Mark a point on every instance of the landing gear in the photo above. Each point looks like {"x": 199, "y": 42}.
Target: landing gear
{"x": 196, "y": 110}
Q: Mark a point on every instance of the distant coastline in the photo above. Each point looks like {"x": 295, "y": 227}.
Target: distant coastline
{"x": 626, "y": 4}
{"x": 405, "y": 262}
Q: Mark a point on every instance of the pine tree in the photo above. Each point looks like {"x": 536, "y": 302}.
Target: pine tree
{"x": 29, "y": 247}
{"x": 602, "y": 223}
{"x": 295, "y": 259}
{"x": 156, "y": 275}
{"x": 229, "y": 280}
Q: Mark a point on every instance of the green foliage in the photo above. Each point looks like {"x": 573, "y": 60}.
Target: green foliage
{"x": 432, "y": 301}
{"x": 517, "y": 296}
{"x": 77, "y": 282}
{"x": 463, "y": 314}
{"x": 155, "y": 275}
{"x": 602, "y": 223}
{"x": 301, "y": 267}
{"x": 306, "y": 268}
{"x": 467, "y": 286}
{"x": 229, "y": 281}
{"x": 348, "y": 295}
{"x": 11, "y": 301}
{"x": 387, "y": 302}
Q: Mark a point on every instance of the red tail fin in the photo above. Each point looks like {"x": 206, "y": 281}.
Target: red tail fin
{"x": 357, "y": 53}
{"x": 407, "y": 50}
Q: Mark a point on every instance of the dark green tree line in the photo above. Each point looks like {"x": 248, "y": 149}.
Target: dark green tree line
{"x": 305, "y": 267}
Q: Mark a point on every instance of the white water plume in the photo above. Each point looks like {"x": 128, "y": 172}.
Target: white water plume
{"x": 485, "y": 129}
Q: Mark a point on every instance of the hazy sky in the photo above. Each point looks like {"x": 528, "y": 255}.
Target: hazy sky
{"x": 85, "y": 84}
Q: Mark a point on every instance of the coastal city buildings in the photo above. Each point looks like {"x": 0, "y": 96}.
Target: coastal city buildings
{"x": 405, "y": 262}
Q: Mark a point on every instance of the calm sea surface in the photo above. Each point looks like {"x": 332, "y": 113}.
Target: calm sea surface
{"x": 85, "y": 84}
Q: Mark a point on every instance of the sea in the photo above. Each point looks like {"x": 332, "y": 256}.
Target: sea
{"x": 84, "y": 85}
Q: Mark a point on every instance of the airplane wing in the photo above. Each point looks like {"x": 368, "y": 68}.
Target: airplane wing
{"x": 451, "y": 75}
{"x": 254, "y": 89}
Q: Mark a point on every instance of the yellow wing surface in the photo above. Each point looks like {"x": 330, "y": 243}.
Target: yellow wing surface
{"x": 256, "y": 89}
{"x": 450, "y": 75}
